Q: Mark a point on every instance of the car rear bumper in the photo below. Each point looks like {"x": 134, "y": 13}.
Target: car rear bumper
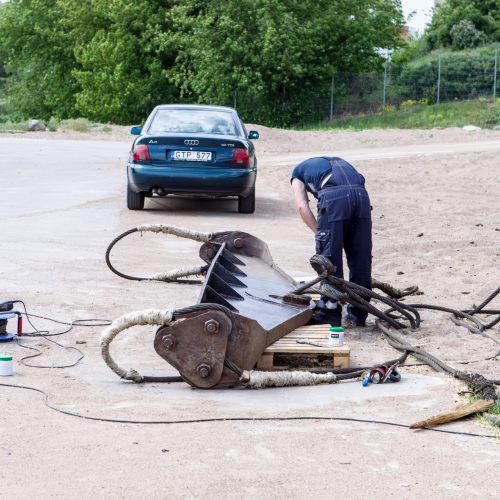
{"x": 223, "y": 181}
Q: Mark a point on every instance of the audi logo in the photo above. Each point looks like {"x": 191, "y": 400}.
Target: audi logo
{"x": 191, "y": 142}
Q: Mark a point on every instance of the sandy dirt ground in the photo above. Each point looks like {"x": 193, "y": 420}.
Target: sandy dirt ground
{"x": 436, "y": 215}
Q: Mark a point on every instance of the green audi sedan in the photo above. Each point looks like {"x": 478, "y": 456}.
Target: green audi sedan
{"x": 192, "y": 150}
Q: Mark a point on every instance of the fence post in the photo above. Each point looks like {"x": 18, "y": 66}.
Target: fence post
{"x": 439, "y": 79}
{"x": 495, "y": 77}
{"x": 234, "y": 100}
{"x": 385, "y": 81}
{"x": 332, "y": 92}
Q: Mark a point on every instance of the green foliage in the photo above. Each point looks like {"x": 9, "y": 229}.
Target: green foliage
{"x": 455, "y": 114}
{"x": 10, "y": 125}
{"x": 464, "y": 35}
{"x": 464, "y": 75}
{"x": 76, "y": 125}
{"x": 113, "y": 60}
{"x": 121, "y": 69}
{"x": 53, "y": 124}
{"x": 276, "y": 51}
{"x": 37, "y": 53}
{"x": 452, "y": 22}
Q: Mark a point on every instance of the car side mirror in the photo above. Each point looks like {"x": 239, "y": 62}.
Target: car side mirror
{"x": 136, "y": 130}
{"x": 253, "y": 134}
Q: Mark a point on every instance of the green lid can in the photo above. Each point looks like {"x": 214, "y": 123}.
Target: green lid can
{"x": 5, "y": 357}
{"x": 337, "y": 329}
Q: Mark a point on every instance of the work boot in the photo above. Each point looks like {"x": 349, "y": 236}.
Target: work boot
{"x": 325, "y": 317}
{"x": 350, "y": 320}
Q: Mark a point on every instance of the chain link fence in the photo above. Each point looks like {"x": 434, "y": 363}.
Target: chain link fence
{"x": 431, "y": 81}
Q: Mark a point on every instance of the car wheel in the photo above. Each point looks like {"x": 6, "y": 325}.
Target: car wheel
{"x": 135, "y": 201}
{"x": 246, "y": 204}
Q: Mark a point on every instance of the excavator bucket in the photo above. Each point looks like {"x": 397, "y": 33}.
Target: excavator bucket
{"x": 248, "y": 305}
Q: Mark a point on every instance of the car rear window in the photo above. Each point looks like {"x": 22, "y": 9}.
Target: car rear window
{"x": 192, "y": 121}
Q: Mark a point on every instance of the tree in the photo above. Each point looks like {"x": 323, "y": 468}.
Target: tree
{"x": 464, "y": 22}
{"x": 464, "y": 35}
{"x": 276, "y": 50}
{"x": 113, "y": 60}
{"x": 38, "y": 59}
{"x": 121, "y": 68}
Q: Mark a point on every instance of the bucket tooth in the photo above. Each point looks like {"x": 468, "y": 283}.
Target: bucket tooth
{"x": 227, "y": 276}
{"x": 231, "y": 257}
{"x": 212, "y": 295}
{"x": 230, "y": 266}
{"x": 220, "y": 286}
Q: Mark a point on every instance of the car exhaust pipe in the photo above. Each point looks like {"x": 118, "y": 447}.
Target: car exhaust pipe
{"x": 159, "y": 191}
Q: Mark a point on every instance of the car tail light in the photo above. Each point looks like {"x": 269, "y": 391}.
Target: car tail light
{"x": 141, "y": 153}
{"x": 241, "y": 157}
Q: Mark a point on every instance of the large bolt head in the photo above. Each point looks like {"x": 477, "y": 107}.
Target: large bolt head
{"x": 203, "y": 370}
{"x": 211, "y": 326}
{"x": 239, "y": 243}
{"x": 168, "y": 342}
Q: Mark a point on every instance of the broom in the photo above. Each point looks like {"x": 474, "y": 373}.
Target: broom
{"x": 460, "y": 411}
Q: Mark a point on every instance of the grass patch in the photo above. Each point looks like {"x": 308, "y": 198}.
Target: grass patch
{"x": 10, "y": 125}
{"x": 494, "y": 410}
{"x": 53, "y": 124}
{"x": 422, "y": 116}
{"x": 76, "y": 125}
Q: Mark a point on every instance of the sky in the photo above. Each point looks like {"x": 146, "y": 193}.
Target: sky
{"x": 423, "y": 14}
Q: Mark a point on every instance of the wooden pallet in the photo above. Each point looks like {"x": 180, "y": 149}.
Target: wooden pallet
{"x": 286, "y": 353}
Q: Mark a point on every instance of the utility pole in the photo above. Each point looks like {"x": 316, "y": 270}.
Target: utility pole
{"x": 439, "y": 79}
{"x": 495, "y": 77}
{"x": 385, "y": 80}
{"x": 332, "y": 91}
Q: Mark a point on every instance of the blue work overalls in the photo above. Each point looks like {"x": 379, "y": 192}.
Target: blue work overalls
{"x": 344, "y": 222}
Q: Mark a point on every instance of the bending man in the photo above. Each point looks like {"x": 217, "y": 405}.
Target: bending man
{"x": 344, "y": 223}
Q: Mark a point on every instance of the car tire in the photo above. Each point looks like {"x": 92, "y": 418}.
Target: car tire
{"x": 246, "y": 204}
{"x": 135, "y": 201}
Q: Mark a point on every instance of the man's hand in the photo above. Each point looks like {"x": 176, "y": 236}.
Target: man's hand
{"x": 302, "y": 202}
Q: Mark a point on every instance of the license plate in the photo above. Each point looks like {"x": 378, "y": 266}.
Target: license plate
{"x": 191, "y": 155}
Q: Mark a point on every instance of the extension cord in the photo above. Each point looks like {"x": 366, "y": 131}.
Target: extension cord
{"x": 6, "y": 306}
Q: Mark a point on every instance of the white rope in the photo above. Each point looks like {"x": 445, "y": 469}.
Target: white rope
{"x": 259, "y": 380}
{"x": 182, "y": 272}
{"x": 147, "y": 317}
{"x": 181, "y": 232}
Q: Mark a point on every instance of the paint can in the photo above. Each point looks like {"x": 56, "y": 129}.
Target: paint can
{"x": 6, "y": 365}
{"x": 336, "y": 336}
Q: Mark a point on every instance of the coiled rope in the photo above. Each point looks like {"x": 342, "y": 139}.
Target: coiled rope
{"x": 326, "y": 284}
{"x": 169, "y": 276}
{"x": 153, "y": 317}
{"x": 359, "y": 296}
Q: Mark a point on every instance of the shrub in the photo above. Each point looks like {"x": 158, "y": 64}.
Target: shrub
{"x": 494, "y": 118}
{"x": 406, "y": 105}
{"x": 10, "y": 125}
{"x": 53, "y": 124}
{"x": 77, "y": 125}
{"x": 464, "y": 35}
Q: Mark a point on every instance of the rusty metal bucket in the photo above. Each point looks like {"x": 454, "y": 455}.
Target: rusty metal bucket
{"x": 245, "y": 304}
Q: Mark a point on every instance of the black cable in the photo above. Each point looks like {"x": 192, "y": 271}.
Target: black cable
{"x": 39, "y": 353}
{"x": 138, "y": 278}
{"x": 233, "y": 419}
{"x": 45, "y": 334}
{"x": 90, "y": 322}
